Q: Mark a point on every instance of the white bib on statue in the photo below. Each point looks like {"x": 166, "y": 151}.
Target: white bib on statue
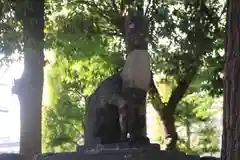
{"x": 136, "y": 71}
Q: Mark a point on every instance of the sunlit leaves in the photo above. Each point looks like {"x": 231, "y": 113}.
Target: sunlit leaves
{"x": 62, "y": 112}
{"x": 194, "y": 118}
{"x": 10, "y": 33}
{"x": 194, "y": 32}
{"x": 69, "y": 83}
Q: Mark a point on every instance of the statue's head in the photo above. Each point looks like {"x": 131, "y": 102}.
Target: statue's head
{"x": 136, "y": 29}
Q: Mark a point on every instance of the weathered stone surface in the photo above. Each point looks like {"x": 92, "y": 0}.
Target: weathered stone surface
{"x": 122, "y": 145}
{"x": 146, "y": 153}
{"x": 107, "y": 93}
{"x": 136, "y": 116}
{"x": 11, "y": 156}
{"x": 104, "y": 124}
{"x": 109, "y": 127}
{"x": 136, "y": 72}
{"x": 136, "y": 29}
{"x": 209, "y": 158}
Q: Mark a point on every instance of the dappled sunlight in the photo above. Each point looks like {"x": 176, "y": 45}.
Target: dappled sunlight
{"x": 154, "y": 128}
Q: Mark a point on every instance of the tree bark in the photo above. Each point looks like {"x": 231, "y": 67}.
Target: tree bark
{"x": 29, "y": 87}
{"x": 166, "y": 114}
{"x": 231, "y": 105}
{"x": 167, "y": 111}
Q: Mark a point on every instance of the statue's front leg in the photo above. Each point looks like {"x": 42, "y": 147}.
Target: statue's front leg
{"x": 122, "y": 105}
{"x": 136, "y": 99}
{"x": 123, "y": 120}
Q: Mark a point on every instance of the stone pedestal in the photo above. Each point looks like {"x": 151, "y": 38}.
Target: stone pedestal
{"x": 152, "y": 152}
{"x": 11, "y": 156}
{"x": 118, "y": 146}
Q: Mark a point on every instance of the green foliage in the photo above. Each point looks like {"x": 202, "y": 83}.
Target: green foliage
{"x": 192, "y": 42}
{"x": 11, "y": 34}
{"x": 78, "y": 33}
{"x": 194, "y": 121}
{"x": 194, "y": 118}
{"x": 85, "y": 56}
{"x": 68, "y": 84}
{"x": 61, "y": 116}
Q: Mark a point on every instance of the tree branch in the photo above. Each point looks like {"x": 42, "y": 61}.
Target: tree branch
{"x": 180, "y": 90}
{"x": 155, "y": 97}
{"x": 96, "y": 8}
{"x": 111, "y": 33}
{"x": 114, "y": 5}
{"x": 151, "y": 20}
{"x": 148, "y": 6}
{"x": 223, "y": 10}
{"x": 122, "y": 7}
{"x": 107, "y": 15}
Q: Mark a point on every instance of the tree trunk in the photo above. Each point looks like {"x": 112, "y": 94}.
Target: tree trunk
{"x": 167, "y": 111}
{"x": 231, "y": 106}
{"x": 166, "y": 114}
{"x": 30, "y": 87}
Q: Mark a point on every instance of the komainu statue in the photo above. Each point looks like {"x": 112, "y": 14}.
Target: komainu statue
{"x": 112, "y": 112}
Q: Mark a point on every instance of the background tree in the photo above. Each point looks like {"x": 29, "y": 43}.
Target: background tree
{"x": 29, "y": 87}
{"x": 11, "y": 37}
{"x": 230, "y": 143}
{"x": 187, "y": 59}
{"x": 194, "y": 122}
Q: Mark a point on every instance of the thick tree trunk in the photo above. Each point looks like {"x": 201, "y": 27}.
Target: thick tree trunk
{"x": 29, "y": 88}
{"x": 166, "y": 114}
{"x": 167, "y": 111}
{"x": 171, "y": 136}
{"x": 231, "y": 107}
